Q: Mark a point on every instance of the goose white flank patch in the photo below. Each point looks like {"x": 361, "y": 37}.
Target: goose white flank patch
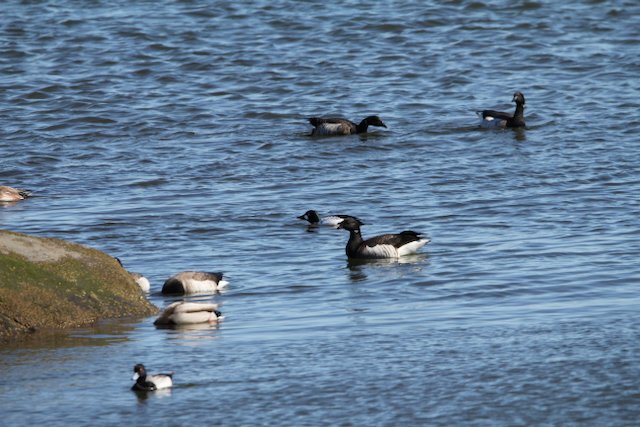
{"x": 384, "y": 246}
{"x": 189, "y": 313}
{"x": 10, "y": 194}
{"x": 499, "y": 119}
{"x": 193, "y": 282}
{"x": 332, "y": 220}
{"x": 140, "y": 280}
{"x": 145, "y": 382}
{"x": 340, "y": 126}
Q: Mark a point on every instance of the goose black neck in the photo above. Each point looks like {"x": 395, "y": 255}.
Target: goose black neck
{"x": 518, "y": 117}
{"x": 362, "y": 127}
{"x": 355, "y": 240}
{"x": 519, "y": 111}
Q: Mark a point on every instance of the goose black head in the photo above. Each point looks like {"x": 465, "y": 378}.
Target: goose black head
{"x": 374, "y": 121}
{"x": 350, "y": 224}
{"x": 518, "y": 98}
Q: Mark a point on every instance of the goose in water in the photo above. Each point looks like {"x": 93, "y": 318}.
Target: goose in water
{"x": 383, "y": 246}
{"x": 339, "y": 126}
{"x": 499, "y": 119}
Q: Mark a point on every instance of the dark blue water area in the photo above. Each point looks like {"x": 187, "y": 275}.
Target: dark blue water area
{"x": 174, "y": 135}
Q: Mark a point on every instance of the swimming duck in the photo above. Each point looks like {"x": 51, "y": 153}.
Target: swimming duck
{"x": 338, "y": 126}
{"x": 144, "y": 382}
{"x": 332, "y": 220}
{"x": 384, "y": 246}
{"x": 10, "y": 194}
{"x": 140, "y": 280}
{"x": 498, "y": 119}
{"x": 191, "y": 282}
{"x": 189, "y": 313}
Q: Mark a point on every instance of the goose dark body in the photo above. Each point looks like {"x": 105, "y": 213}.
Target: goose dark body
{"x": 383, "y": 246}
{"x": 340, "y": 126}
{"x": 492, "y": 118}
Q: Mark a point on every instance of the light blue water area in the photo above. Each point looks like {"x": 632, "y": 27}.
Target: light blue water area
{"x": 174, "y": 135}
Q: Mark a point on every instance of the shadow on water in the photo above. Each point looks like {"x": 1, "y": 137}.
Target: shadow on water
{"x": 520, "y": 134}
{"x": 144, "y": 396}
{"x": 358, "y": 267}
{"x": 103, "y": 333}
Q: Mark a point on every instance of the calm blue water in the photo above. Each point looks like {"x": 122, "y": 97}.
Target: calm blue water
{"x": 173, "y": 135}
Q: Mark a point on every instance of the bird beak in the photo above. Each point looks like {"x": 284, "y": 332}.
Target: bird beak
{"x": 301, "y": 217}
{"x": 135, "y": 376}
{"x": 384, "y": 126}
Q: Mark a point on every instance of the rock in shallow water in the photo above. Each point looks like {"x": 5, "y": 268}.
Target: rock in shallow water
{"x": 54, "y": 284}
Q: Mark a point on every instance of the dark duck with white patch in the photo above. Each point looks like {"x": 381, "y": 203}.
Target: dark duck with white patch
{"x": 339, "y": 126}
{"x": 144, "y": 382}
{"x": 499, "y": 119}
{"x": 384, "y": 246}
{"x": 333, "y": 220}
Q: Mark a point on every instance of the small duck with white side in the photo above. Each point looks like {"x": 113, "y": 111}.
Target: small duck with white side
{"x": 340, "y": 126}
{"x": 139, "y": 278}
{"x": 384, "y": 246}
{"x": 194, "y": 282}
{"x": 332, "y": 220}
{"x": 189, "y": 313}
{"x": 501, "y": 120}
{"x": 10, "y": 194}
{"x": 145, "y": 382}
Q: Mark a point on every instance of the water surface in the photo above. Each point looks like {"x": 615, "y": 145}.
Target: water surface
{"x": 174, "y": 136}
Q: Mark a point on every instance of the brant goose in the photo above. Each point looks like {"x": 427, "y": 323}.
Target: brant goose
{"x": 332, "y": 220}
{"x": 498, "y": 119}
{"x": 141, "y": 281}
{"x": 338, "y": 126}
{"x": 144, "y": 382}
{"x": 189, "y": 313}
{"x": 384, "y": 246}
{"x": 10, "y": 194}
{"x": 192, "y": 282}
